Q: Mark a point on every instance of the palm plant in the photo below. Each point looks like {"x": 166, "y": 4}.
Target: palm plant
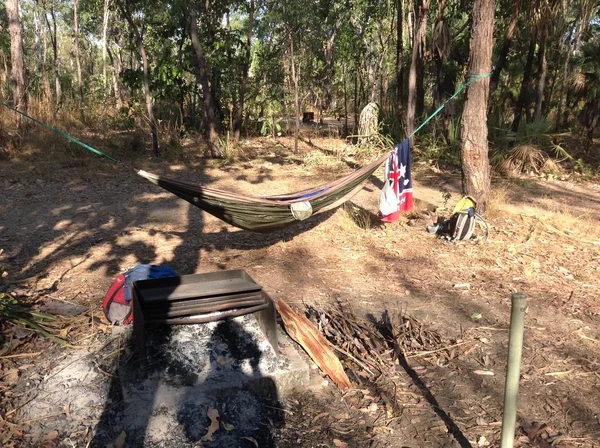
{"x": 587, "y": 85}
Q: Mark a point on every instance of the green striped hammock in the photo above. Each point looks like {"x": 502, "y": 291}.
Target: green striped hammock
{"x": 266, "y": 214}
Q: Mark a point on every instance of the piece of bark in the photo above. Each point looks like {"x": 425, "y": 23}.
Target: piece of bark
{"x": 314, "y": 343}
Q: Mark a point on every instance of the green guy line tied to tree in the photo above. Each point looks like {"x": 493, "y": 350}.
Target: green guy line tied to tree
{"x": 62, "y": 134}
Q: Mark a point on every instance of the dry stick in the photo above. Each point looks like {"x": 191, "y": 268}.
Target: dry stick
{"x": 359, "y": 363}
{"x": 429, "y": 352}
{"x": 21, "y": 355}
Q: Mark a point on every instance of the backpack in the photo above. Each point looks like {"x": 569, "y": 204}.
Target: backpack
{"x": 117, "y": 301}
{"x": 461, "y": 224}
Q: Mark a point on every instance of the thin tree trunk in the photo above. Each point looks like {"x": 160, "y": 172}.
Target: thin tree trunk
{"x": 417, "y": 47}
{"x": 53, "y": 40}
{"x": 239, "y": 117}
{"x": 563, "y": 99}
{"x": 145, "y": 76}
{"x": 420, "y": 107}
{"x": 508, "y": 37}
{"x": 116, "y": 70}
{"x": 16, "y": 57}
{"x": 399, "y": 66}
{"x": 77, "y": 55}
{"x": 105, "y": 18}
{"x": 295, "y": 79}
{"x": 45, "y": 79}
{"x": 203, "y": 78}
{"x": 474, "y": 131}
{"x": 355, "y": 96}
{"x": 542, "y": 73}
{"x": 525, "y": 84}
{"x": 345, "y": 102}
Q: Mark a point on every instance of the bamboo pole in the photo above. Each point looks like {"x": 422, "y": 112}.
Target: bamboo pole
{"x": 511, "y": 387}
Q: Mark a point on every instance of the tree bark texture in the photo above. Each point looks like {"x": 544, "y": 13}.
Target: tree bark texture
{"x": 542, "y": 73}
{"x": 508, "y": 38}
{"x": 525, "y": 85}
{"x": 16, "y": 56}
{"x": 474, "y": 131}
{"x": 399, "y": 66}
{"x": 105, "y": 18}
{"x": 417, "y": 55}
{"x": 145, "y": 76}
{"x": 421, "y": 60}
{"x": 116, "y": 70}
{"x": 239, "y": 117}
{"x": 203, "y": 78}
{"x": 296, "y": 80}
{"x": 77, "y": 54}
{"x": 52, "y": 29}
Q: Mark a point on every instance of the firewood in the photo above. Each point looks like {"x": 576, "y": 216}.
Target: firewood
{"x": 314, "y": 343}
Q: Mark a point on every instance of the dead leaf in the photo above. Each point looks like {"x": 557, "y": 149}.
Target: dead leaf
{"x": 120, "y": 441}
{"x": 68, "y": 410}
{"x": 51, "y": 435}
{"x": 63, "y": 333}
{"x": 251, "y": 439}
{"x": 227, "y": 426}
{"x": 213, "y": 414}
{"x": 483, "y": 372}
{"x": 339, "y": 443}
{"x": 12, "y": 376}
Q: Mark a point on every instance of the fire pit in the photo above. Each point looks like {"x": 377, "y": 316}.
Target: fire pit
{"x": 200, "y": 298}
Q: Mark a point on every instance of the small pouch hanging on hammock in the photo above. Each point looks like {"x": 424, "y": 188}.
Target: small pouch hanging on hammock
{"x": 301, "y": 210}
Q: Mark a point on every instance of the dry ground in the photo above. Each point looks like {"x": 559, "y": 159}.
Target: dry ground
{"x": 66, "y": 230}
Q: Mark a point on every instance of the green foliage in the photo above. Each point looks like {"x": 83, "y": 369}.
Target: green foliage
{"x": 13, "y": 311}
{"x": 270, "y": 126}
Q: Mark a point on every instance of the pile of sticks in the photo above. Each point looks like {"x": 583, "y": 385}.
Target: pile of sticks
{"x": 371, "y": 347}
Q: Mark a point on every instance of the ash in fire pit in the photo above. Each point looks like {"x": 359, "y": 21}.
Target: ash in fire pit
{"x": 227, "y": 367}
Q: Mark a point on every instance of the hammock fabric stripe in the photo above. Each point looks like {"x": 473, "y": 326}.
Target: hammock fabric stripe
{"x": 266, "y": 214}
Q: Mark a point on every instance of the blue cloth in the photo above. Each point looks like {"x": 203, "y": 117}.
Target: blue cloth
{"x": 144, "y": 272}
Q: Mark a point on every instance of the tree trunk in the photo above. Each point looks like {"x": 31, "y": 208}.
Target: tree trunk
{"x": 45, "y": 80}
{"x": 53, "y": 38}
{"x": 542, "y": 73}
{"x": 239, "y": 117}
{"x": 16, "y": 57}
{"x": 296, "y": 81}
{"x": 441, "y": 43}
{"x": 508, "y": 37}
{"x": 355, "y": 96}
{"x": 145, "y": 76}
{"x": 474, "y": 131}
{"x": 345, "y": 102}
{"x": 399, "y": 66}
{"x": 203, "y": 78}
{"x": 563, "y": 95}
{"x": 77, "y": 55}
{"x": 105, "y": 18}
{"x": 524, "y": 93}
{"x": 415, "y": 86}
{"x": 116, "y": 70}
{"x": 421, "y": 61}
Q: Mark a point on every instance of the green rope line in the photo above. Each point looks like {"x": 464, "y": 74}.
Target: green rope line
{"x": 472, "y": 78}
{"x": 63, "y": 134}
{"x": 463, "y": 86}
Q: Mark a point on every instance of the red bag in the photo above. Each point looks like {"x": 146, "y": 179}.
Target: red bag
{"x": 116, "y": 309}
